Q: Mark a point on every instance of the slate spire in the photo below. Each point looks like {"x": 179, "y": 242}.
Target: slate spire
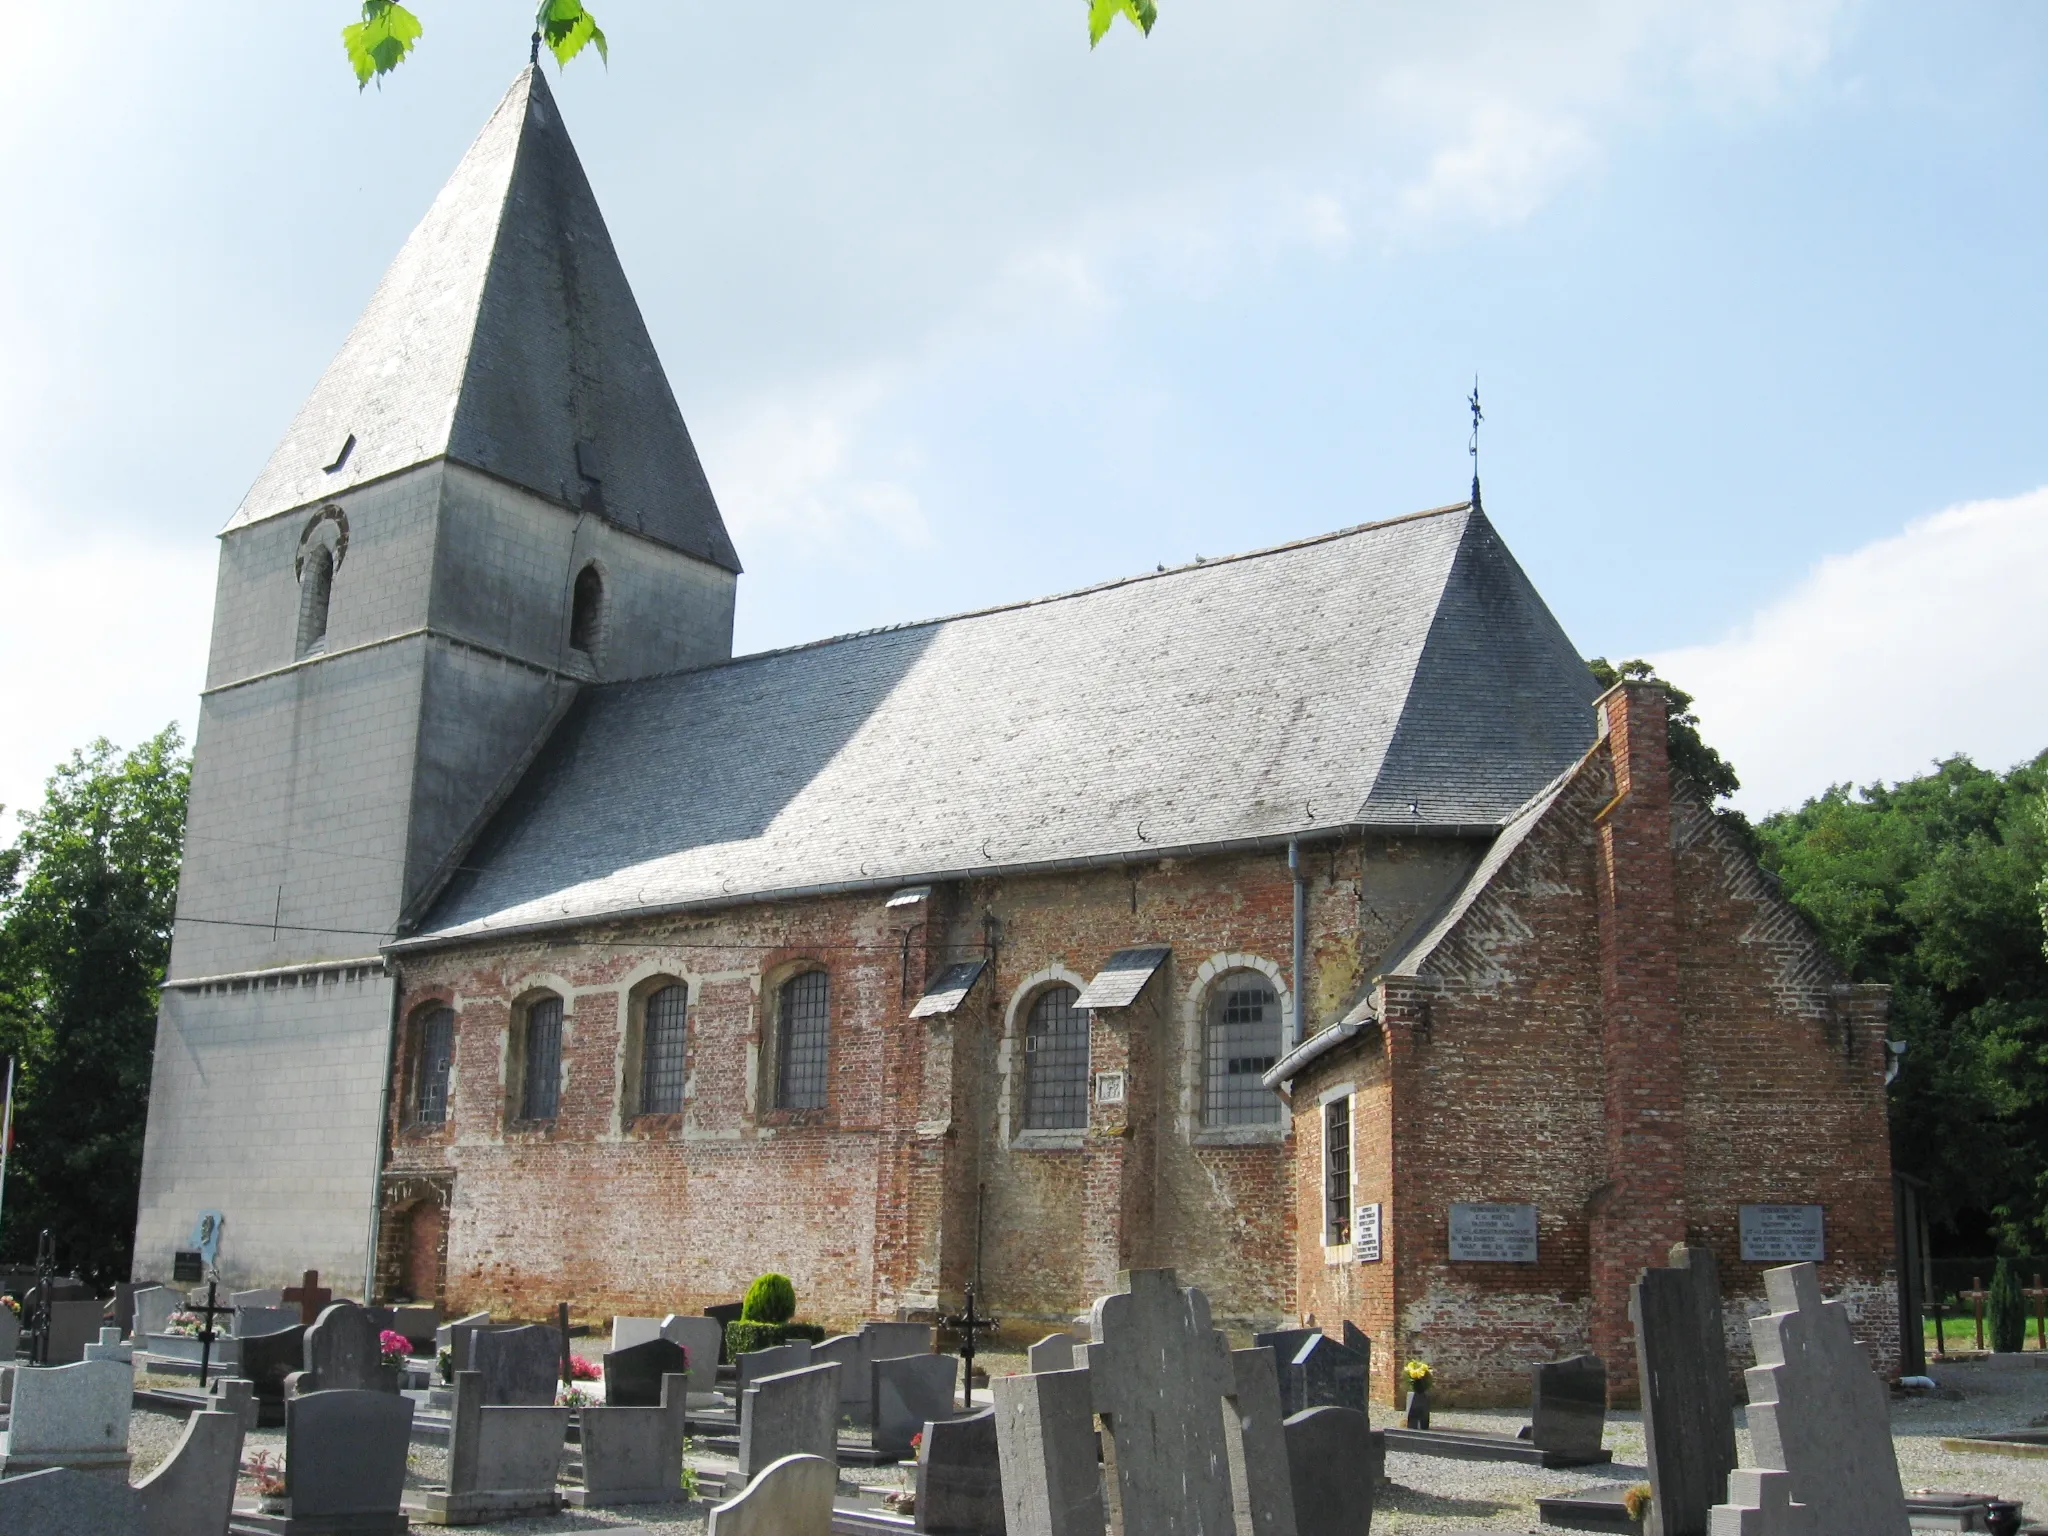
{"x": 505, "y": 336}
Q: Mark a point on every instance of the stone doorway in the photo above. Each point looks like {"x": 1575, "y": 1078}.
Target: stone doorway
{"x": 412, "y": 1238}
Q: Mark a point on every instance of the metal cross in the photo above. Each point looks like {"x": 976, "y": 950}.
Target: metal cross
{"x": 46, "y": 1270}
{"x": 968, "y": 1323}
{"x": 1473, "y": 447}
{"x": 206, "y": 1332}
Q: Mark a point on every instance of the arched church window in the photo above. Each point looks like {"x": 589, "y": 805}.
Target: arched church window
{"x": 1243, "y": 1041}
{"x": 1056, "y": 1062}
{"x": 661, "y": 1051}
{"x": 540, "y": 1079}
{"x": 316, "y": 586}
{"x": 802, "y": 1041}
{"x": 433, "y": 1057}
{"x": 586, "y": 611}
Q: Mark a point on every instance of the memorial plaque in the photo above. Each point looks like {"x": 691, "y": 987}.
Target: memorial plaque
{"x": 187, "y": 1267}
{"x": 1493, "y": 1234}
{"x": 1109, "y": 1087}
{"x": 1365, "y": 1234}
{"x": 1784, "y": 1234}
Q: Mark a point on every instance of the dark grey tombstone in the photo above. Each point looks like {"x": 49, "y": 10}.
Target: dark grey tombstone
{"x": 908, "y": 1393}
{"x": 724, "y": 1312}
{"x": 1286, "y": 1344}
{"x": 62, "y": 1501}
{"x": 960, "y": 1478}
{"x": 266, "y": 1359}
{"x": 73, "y": 1325}
{"x": 343, "y": 1353}
{"x": 632, "y": 1376}
{"x": 1355, "y": 1339}
{"x": 1333, "y": 1472}
{"x": 344, "y": 1457}
{"x": 1326, "y": 1374}
{"x": 521, "y": 1367}
{"x": 1568, "y": 1405}
{"x": 1688, "y": 1401}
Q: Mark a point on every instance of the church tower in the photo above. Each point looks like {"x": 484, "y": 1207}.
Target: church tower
{"x": 489, "y": 501}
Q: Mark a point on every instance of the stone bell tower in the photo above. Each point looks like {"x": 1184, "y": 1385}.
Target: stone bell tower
{"x": 489, "y": 502}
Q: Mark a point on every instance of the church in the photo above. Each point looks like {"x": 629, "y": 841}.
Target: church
{"x": 1307, "y": 921}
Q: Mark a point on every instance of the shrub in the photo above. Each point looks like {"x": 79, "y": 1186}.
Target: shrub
{"x": 744, "y": 1337}
{"x": 770, "y": 1299}
{"x": 2008, "y": 1310}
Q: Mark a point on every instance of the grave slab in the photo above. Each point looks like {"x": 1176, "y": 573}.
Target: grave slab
{"x": 1049, "y": 1453}
{"x": 960, "y": 1478}
{"x": 1479, "y": 1445}
{"x": 1332, "y": 1474}
{"x": 794, "y": 1413}
{"x": 68, "y": 1416}
{"x": 633, "y": 1377}
{"x": 1688, "y": 1403}
{"x": 634, "y": 1455}
{"x": 1257, "y": 1442}
{"x": 849, "y": 1353}
{"x": 1600, "y": 1507}
{"x": 521, "y": 1367}
{"x": 773, "y": 1361}
{"x": 501, "y": 1461}
{"x": 193, "y": 1490}
{"x": 59, "y": 1501}
{"x": 908, "y": 1392}
{"x": 791, "y": 1497}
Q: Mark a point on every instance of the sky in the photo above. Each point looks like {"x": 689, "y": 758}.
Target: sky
{"x": 960, "y": 312}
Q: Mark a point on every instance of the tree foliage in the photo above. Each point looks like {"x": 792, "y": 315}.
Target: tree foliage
{"x": 86, "y": 898}
{"x": 1709, "y": 771}
{"x": 1934, "y": 886}
{"x": 384, "y": 38}
{"x": 1102, "y": 15}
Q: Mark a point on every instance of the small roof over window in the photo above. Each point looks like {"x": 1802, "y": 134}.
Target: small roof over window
{"x": 949, "y": 990}
{"x": 1118, "y": 983}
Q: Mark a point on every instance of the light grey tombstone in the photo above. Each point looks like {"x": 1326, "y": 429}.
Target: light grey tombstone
{"x": 628, "y": 1331}
{"x": 1159, "y": 1374}
{"x": 154, "y": 1305}
{"x": 416, "y": 1322}
{"x": 1688, "y": 1404}
{"x": 61, "y": 1502}
{"x": 269, "y": 1297}
{"x": 1050, "y": 1454}
{"x": 1258, "y": 1446}
{"x": 892, "y": 1341}
{"x": 345, "y": 1455}
{"x": 10, "y": 1335}
{"x": 1818, "y": 1411}
{"x": 960, "y": 1478}
{"x": 1760, "y": 1504}
{"x": 634, "y": 1455}
{"x": 700, "y": 1337}
{"x": 795, "y": 1413}
{"x": 846, "y": 1351}
{"x": 193, "y": 1490}
{"x": 344, "y": 1353}
{"x": 1332, "y": 1471}
{"x": 235, "y": 1395}
{"x": 249, "y": 1322}
{"x": 774, "y": 1361}
{"x": 1055, "y": 1352}
{"x": 73, "y": 1325}
{"x": 111, "y": 1346}
{"x": 454, "y": 1336}
{"x": 791, "y": 1497}
{"x": 521, "y": 1366}
{"x": 908, "y": 1393}
{"x": 69, "y": 1416}
{"x": 501, "y": 1461}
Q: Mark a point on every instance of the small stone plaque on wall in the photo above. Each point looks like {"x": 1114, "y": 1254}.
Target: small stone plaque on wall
{"x": 1365, "y": 1234}
{"x": 1784, "y": 1234}
{"x": 1493, "y": 1234}
{"x": 1109, "y": 1087}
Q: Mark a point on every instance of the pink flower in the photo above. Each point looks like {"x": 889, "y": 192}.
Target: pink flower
{"x": 581, "y": 1369}
{"x": 396, "y": 1347}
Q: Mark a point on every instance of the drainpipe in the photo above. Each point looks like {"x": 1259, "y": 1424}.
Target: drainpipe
{"x": 1300, "y": 939}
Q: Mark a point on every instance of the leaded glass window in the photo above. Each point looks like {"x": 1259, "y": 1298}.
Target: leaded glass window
{"x": 1337, "y": 1172}
{"x": 1056, "y": 1062}
{"x": 435, "y": 1055}
{"x": 661, "y": 1051}
{"x": 540, "y": 1088}
{"x": 1244, "y": 1033}
{"x": 803, "y": 1042}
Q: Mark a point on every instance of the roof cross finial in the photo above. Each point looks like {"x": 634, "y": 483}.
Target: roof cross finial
{"x": 533, "y": 53}
{"x": 1473, "y": 448}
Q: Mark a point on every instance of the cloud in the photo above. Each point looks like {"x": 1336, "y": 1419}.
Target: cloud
{"x": 1887, "y": 659}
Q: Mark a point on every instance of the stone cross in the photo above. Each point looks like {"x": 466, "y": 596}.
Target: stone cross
{"x": 1760, "y": 1504}
{"x": 1976, "y": 1298}
{"x": 1158, "y": 1374}
{"x": 1818, "y": 1411}
{"x": 311, "y": 1296}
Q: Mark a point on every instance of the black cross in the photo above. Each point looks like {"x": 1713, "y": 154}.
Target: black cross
{"x": 46, "y": 1270}
{"x": 968, "y": 1323}
{"x": 206, "y": 1334}
{"x": 1477, "y": 417}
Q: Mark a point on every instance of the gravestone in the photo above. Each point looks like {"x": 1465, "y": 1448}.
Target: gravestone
{"x": 111, "y": 1346}
{"x": 1055, "y": 1352}
{"x": 1688, "y": 1404}
{"x": 344, "y": 1466}
{"x": 1326, "y": 1374}
{"x": 908, "y": 1392}
{"x": 1258, "y": 1447}
{"x": 521, "y": 1367}
{"x": 419, "y": 1324}
{"x": 1049, "y": 1453}
{"x": 10, "y": 1335}
{"x": 700, "y": 1338}
{"x": 633, "y": 1377}
{"x": 846, "y": 1351}
{"x": 342, "y": 1353}
{"x": 250, "y": 1321}
{"x": 73, "y": 1325}
{"x": 1568, "y": 1405}
{"x": 793, "y": 1497}
{"x": 1818, "y": 1411}
{"x": 960, "y": 1478}
{"x": 154, "y": 1305}
{"x": 795, "y": 1413}
{"x": 723, "y": 1312}
{"x": 193, "y": 1489}
{"x": 1331, "y": 1471}
{"x": 234, "y": 1395}
{"x": 455, "y": 1336}
{"x": 258, "y": 1298}
{"x": 264, "y": 1362}
{"x": 1760, "y": 1504}
{"x": 501, "y": 1461}
{"x": 1158, "y": 1372}
{"x": 1286, "y": 1343}
{"x": 628, "y": 1331}
{"x": 892, "y": 1341}
{"x": 68, "y": 1416}
{"x": 60, "y": 1502}
{"x": 1354, "y": 1339}
{"x": 634, "y": 1455}
{"x": 774, "y": 1361}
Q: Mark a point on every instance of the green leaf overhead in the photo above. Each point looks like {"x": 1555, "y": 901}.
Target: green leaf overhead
{"x": 379, "y": 42}
{"x": 568, "y": 28}
{"x": 1101, "y": 13}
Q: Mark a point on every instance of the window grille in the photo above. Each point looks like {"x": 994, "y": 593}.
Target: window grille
{"x": 1243, "y": 1044}
{"x": 316, "y": 587}
{"x": 586, "y": 611}
{"x": 540, "y": 1088}
{"x": 661, "y": 1052}
{"x": 1337, "y": 1172}
{"x": 430, "y": 1075}
{"x": 803, "y": 1041}
{"x": 1056, "y": 1063}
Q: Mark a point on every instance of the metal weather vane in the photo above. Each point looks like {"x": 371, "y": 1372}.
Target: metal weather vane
{"x": 1473, "y": 447}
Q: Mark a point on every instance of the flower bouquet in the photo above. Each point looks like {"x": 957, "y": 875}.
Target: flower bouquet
{"x": 395, "y": 1347}
{"x": 1418, "y": 1375}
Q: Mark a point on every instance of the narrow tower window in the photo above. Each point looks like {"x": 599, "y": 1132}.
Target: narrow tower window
{"x": 431, "y": 1067}
{"x": 586, "y": 611}
{"x": 1337, "y": 1172}
{"x": 541, "y": 1083}
{"x": 661, "y": 1054}
{"x": 803, "y": 1036}
{"x": 316, "y": 585}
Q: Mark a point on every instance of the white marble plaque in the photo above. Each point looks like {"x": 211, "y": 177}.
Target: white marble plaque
{"x": 1365, "y": 1241}
{"x": 1109, "y": 1087}
{"x": 1493, "y": 1234}
{"x": 1784, "y": 1234}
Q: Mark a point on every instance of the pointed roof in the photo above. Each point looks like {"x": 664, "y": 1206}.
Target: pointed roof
{"x": 505, "y": 336}
{"x": 1401, "y": 676}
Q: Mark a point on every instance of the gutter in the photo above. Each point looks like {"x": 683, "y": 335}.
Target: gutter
{"x": 1300, "y": 939}
{"x": 1282, "y": 1073}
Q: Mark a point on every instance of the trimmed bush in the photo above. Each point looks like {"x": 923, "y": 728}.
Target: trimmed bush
{"x": 770, "y": 1299}
{"x": 2007, "y": 1309}
{"x": 745, "y": 1337}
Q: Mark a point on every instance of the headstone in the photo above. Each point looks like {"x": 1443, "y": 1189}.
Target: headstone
{"x": 1331, "y": 1471}
{"x": 1568, "y": 1405}
{"x": 265, "y": 1361}
{"x": 343, "y": 1353}
{"x": 69, "y": 1416}
{"x": 60, "y": 1502}
{"x": 756, "y": 1363}
{"x": 258, "y": 1298}
{"x": 193, "y": 1489}
{"x": 845, "y": 1351}
{"x": 124, "y": 1307}
{"x": 628, "y": 1331}
{"x": 1158, "y": 1374}
{"x": 892, "y": 1341}
{"x": 154, "y": 1305}
{"x": 1054, "y": 1352}
{"x": 1688, "y": 1404}
{"x": 521, "y": 1367}
{"x": 1258, "y": 1447}
{"x": 634, "y": 1455}
{"x": 909, "y": 1392}
{"x": 233, "y": 1395}
{"x": 1818, "y": 1411}
{"x": 418, "y": 1324}
{"x": 501, "y": 1461}
{"x": 250, "y": 1321}
{"x": 1286, "y": 1343}
{"x": 73, "y": 1325}
{"x": 960, "y": 1478}
{"x": 111, "y": 1346}
{"x": 1326, "y": 1374}
{"x": 700, "y": 1338}
{"x": 10, "y": 1335}
{"x": 344, "y": 1458}
{"x": 792, "y": 1497}
{"x": 454, "y": 1336}
{"x": 795, "y": 1413}
{"x": 1354, "y": 1339}
{"x": 1049, "y": 1453}
{"x": 633, "y": 1377}
{"x": 1760, "y": 1504}
{"x": 723, "y": 1312}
